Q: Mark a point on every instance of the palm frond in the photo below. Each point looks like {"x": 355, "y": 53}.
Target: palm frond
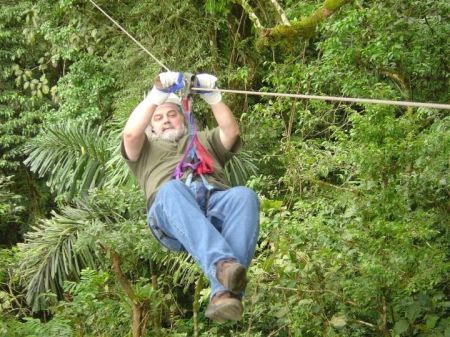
{"x": 240, "y": 168}
{"x": 49, "y": 257}
{"x": 72, "y": 154}
{"x": 117, "y": 172}
{"x": 57, "y": 249}
{"x": 183, "y": 269}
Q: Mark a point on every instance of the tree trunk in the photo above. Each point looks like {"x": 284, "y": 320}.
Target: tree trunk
{"x": 140, "y": 316}
{"x": 140, "y": 309}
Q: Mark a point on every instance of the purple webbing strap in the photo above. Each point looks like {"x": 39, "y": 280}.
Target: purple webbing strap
{"x": 183, "y": 163}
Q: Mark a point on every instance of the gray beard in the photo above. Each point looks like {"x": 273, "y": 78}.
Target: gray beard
{"x": 172, "y": 135}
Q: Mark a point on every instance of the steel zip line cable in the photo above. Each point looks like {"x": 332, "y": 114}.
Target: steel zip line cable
{"x": 275, "y": 94}
{"x": 129, "y": 35}
{"x": 335, "y": 98}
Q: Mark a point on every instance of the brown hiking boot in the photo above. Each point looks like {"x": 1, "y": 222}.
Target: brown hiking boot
{"x": 232, "y": 275}
{"x": 223, "y": 307}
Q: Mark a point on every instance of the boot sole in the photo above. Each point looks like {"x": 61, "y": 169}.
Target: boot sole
{"x": 227, "y": 310}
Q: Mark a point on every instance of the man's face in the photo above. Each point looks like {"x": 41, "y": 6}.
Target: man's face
{"x": 168, "y": 122}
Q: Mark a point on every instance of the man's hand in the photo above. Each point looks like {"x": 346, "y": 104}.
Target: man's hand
{"x": 165, "y": 84}
{"x": 208, "y": 81}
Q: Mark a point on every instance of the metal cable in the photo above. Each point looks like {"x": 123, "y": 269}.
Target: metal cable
{"x": 335, "y": 98}
{"x": 129, "y": 35}
{"x": 275, "y": 94}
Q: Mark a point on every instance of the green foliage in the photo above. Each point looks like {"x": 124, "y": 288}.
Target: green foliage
{"x": 358, "y": 172}
{"x": 33, "y": 327}
{"x": 50, "y": 256}
{"x": 10, "y": 208}
{"x": 239, "y": 169}
{"x": 378, "y": 43}
{"x": 93, "y": 308}
{"x": 327, "y": 272}
{"x": 85, "y": 92}
{"x": 73, "y": 155}
{"x": 19, "y": 121}
{"x": 24, "y": 101}
{"x": 11, "y": 299}
{"x": 354, "y": 228}
{"x": 218, "y": 7}
{"x": 24, "y": 85}
{"x": 117, "y": 172}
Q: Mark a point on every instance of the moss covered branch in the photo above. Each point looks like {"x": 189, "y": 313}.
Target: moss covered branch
{"x": 305, "y": 27}
{"x": 251, "y": 14}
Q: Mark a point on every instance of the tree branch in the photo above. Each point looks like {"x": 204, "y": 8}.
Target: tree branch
{"x": 126, "y": 286}
{"x": 399, "y": 81}
{"x": 281, "y": 12}
{"x": 123, "y": 281}
{"x": 140, "y": 309}
{"x": 251, "y": 14}
{"x": 370, "y": 325}
{"x": 306, "y": 26}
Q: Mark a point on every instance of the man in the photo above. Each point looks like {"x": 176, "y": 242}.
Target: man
{"x": 200, "y": 214}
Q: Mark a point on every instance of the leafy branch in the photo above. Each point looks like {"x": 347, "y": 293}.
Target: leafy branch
{"x": 73, "y": 155}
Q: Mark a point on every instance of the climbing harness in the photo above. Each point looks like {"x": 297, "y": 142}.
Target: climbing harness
{"x": 195, "y": 157}
{"x": 312, "y": 97}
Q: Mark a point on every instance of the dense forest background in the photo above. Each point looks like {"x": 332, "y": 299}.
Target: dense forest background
{"x": 355, "y": 198}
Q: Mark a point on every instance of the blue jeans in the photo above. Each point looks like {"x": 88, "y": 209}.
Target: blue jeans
{"x": 224, "y": 227}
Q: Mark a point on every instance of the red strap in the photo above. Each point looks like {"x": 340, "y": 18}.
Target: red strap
{"x": 206, "y": 162}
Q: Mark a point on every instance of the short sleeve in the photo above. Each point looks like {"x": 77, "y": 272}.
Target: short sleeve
{"x": 134, "y": 164}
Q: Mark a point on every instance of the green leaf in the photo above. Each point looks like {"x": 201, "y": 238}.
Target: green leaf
{"x": 401, "y": 326}
{"x": 413, "y": 312}
{"x": 338, "y": 321}
{"x": 431, "y": 322}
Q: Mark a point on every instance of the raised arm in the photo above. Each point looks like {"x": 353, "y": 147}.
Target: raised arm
{"x": 140, "y": 118}
{"x": 134, "y": 131}
{"x": 229, "y": 128}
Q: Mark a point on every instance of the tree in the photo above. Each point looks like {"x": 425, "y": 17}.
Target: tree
{"x": 354, "y": 197}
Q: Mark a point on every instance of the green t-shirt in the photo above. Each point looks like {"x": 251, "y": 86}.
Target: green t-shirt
{"x": 159, "y": 158}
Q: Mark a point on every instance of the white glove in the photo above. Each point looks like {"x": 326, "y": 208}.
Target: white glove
{"x": 165, "y": 84}
{"x": 208, "y": 81}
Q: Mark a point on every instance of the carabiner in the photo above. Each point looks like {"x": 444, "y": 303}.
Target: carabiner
{"x": 188, "y": 80}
